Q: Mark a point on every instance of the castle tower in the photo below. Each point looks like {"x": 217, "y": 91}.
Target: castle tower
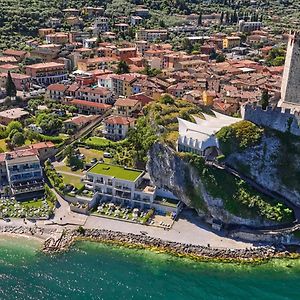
{"x": 290, "y": 87}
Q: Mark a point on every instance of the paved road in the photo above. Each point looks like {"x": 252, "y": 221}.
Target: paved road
{"x": 185, "y": 230}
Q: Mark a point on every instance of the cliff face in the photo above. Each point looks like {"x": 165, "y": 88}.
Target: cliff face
{"x": 274, "y": 163}
{"x": 168, "y": 170}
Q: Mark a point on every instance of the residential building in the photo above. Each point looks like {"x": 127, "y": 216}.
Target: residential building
{"x": 14, "y": 114}
{"x": 98, "y": 95}
{"x": 21, "y": 81}
{"x": 122, "y": 84}
{"x": 101, "y": 24}
{"x": 151, "y": 34}
{"x": 208, "y": 97}
{"x": 9, "y": 68}
{"x": 78, "y": 122}
{"x": 135, "y": 20}
{"x": 231, "y": 42}
{"x": 44, "y": 150}
{"x": 127, "y": 107}
{"x": 45, "y": 31}
{"x": 88, "y": 107}
{"x": 47, "y": 52}
{"x": 249, "y": 26}
{"x": 56, "y": 91}
{"x": 142, "y": 12}
{"x": 47, "y": 73}
{"x": 90, "y": 43}
{"x": 23, "y": 172}
{"x": 126, "y": 53}
{"x": 58, "y": 38}
{"x": 19, "y": 55}
{"x": 90, "y": 64}
{"x": 116, "y": 127}
{"x": 8, "y": 60}
{"x": 121, "y": 27}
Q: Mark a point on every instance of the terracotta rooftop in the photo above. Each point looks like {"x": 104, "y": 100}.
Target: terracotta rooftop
{"x": 90, "y": 104}
{"x": 57, "y": 87}
{"x": 126, "y": 102}
{"x": 118, "y": 120}
{"x": 46, "y": 65}
{"x": 12, "y": 52}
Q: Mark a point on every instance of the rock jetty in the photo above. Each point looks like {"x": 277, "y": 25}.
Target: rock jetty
{"x": 255, "y": 254}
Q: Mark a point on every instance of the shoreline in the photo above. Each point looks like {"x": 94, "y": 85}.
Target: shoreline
{"x": 55, "y": 241}
{"x": 195, "y": 252}
{"x": 40, "y": 239}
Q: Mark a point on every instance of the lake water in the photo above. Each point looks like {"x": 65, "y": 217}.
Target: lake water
{"x": 96, "y": 271}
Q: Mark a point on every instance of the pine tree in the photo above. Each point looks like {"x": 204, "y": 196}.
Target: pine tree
{"x": 11, "y": 90}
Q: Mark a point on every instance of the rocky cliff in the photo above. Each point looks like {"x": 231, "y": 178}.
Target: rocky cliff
{"x": 274, "y": 163}
{"x": 168, "y": 170}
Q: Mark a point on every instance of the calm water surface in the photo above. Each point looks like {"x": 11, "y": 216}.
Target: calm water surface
{"x": 96, "y": 271}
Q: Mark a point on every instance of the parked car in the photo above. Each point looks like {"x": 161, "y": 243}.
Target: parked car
{"x": 93, "y": 160}
{"x": 107, "y": 155}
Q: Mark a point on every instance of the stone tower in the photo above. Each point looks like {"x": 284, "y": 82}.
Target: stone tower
{"x": 290, "y": 87}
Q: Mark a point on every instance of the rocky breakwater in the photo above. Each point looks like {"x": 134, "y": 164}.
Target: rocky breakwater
{"x": 257, "y": 254}
{"x": 170, "y": 171}
{"x": 59, "y": 241}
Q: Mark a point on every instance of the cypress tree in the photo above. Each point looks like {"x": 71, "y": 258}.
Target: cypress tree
{"x": 222, "y": 17}
{"x": 264, "y": 99}
{"x": 11, "y": 90}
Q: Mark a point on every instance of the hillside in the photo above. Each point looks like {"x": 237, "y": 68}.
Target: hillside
{"x": 20, "y": 20}
{"x": 212, "y": 192}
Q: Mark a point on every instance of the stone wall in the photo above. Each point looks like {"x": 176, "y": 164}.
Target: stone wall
{"x": 278, "y": 118}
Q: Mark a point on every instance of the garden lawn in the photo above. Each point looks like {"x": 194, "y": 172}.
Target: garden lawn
{"x": 98, "y": 141}
{"x": 65, "y": 168}
{"x": 92, "y": 153}
{"x": 73, "y": 180}
{"x": 116, "y": 171}
{"x": 36, "y": 204}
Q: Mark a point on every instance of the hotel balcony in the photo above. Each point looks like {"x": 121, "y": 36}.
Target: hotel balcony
{"x": 24, "y": 170}
{"x": 27, "y": 187}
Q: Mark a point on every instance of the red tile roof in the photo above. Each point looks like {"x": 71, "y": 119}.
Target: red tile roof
{"x": 90, "y": 104}
{"x": 126, "y": 102}
{"x": 118, "y": 120}
{"x": 57, "y": 87}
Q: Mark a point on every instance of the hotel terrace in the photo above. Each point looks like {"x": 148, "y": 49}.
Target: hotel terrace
{"x": 128, "y": 187}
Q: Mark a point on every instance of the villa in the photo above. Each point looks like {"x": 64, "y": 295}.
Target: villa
{"x": 128, "y": 187}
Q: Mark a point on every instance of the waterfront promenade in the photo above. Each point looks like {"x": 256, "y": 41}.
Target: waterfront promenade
{"x": 186, "y": 230}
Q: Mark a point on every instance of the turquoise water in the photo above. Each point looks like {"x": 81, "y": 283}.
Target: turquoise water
{"x": 96, "y": 271}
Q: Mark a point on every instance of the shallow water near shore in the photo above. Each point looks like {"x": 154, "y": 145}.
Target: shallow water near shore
{"x": 97, "y": 271}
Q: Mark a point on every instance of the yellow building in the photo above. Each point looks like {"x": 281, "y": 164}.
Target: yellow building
{"x": 208, "y": 97}
{"x": 231, "y": 42}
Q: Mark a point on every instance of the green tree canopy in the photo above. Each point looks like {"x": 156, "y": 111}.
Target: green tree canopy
{"x": 123, "y": 67}
{"x": 18, "y": 139}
